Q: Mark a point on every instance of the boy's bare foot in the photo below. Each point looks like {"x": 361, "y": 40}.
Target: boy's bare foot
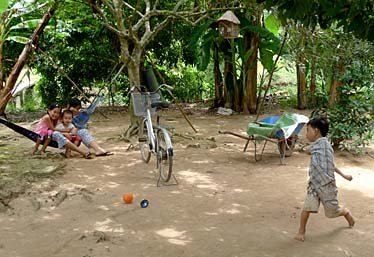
{"x": 300, "y": 237}
{"x": 38, "y": 153}
{"x": 351, "y": 221}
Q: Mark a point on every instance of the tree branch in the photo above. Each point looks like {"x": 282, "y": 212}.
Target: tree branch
{"x": 133, "y": 9}
{"x": 98, "y": 12}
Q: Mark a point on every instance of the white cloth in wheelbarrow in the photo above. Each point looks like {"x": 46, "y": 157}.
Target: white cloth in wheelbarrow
{"x": 278, "y": 126}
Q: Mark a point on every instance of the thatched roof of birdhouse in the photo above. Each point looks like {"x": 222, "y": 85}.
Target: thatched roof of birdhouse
{"x": 229, "y": 16}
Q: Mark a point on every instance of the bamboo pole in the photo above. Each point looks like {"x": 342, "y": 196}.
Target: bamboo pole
{"x": 271, "y": 74}
{"x": 174, "y": 99}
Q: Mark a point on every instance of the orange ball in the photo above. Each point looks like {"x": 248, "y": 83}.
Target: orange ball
{"x": 127, "y": 198}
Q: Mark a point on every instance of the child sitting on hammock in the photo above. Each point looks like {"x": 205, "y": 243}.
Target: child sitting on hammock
{"x": 67, "y": 128}
{"x": 46, "y": 126}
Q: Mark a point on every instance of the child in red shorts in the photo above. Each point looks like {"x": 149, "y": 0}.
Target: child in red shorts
{"x": 67, "y": 128}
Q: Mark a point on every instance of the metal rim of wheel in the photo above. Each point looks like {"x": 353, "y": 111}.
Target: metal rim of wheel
{"x": 164, "y": 159}
{"x": 144, "y": 145}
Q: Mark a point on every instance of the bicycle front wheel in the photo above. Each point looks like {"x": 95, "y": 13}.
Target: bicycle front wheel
{"x": 144, "y": 141}
{"x": 164, "y": 155}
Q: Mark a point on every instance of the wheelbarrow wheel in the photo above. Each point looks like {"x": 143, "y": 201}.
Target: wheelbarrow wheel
{"x": 287, "y": 150}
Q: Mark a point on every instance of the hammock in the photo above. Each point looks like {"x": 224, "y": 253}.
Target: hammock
{"x": 25, "y": 132}
{"x": 80, "y": 121}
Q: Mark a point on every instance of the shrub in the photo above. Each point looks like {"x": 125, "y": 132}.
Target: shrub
{"x": 351, "y": 122}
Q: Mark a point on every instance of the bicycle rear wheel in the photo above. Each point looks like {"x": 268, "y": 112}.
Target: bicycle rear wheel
{"x": 164, "y": 155}
{"x": 144, "y": 141}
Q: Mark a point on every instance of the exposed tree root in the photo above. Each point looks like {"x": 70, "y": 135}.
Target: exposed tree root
{"x": 132, "y": 130}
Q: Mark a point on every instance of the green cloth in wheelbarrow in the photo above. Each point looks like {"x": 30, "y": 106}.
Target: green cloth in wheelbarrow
{"x": 275, "y": 126}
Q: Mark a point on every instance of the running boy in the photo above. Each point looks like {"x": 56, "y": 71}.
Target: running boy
{"x": 321, "y": 185}
{"x": 68, "y": 130}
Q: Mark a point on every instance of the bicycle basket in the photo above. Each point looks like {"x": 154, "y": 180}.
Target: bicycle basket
{"x": 140, "y": 102}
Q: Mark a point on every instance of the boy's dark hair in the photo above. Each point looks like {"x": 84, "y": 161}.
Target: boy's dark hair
{"x": 320, "y": 123}
{"x": 67, "y": 112}
{"x": 75, "y": 102}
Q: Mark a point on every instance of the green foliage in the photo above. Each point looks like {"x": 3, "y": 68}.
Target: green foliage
{"x": 351, "y": 124}
{"x": 353, "y": 16}
{"x": 78, "y": 49}
{"x": 269, "y": 45}
{"x": 201, "y": 42}
{"x": 171, "y": 44}
{"x": 3, "y": 6}
{"x": 351, "y": 120}
{"x": 30, "y": 105}
{"x": 272, "y": 24}
{"x": 190, "y": 85}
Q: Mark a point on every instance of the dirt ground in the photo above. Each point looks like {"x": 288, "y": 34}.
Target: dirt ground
{"x": 225, "y": 203}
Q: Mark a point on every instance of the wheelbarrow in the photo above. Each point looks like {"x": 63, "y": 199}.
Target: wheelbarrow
{"x": 282, "y": 130}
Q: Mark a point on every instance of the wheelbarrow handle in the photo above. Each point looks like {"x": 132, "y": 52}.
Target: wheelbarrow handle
{"x": 234, "y": 134}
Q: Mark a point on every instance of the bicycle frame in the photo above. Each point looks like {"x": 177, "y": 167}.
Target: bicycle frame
{"x": 158, "y": 141}
{"x": 152, "y": 135}
{"x": 150, "y": 130}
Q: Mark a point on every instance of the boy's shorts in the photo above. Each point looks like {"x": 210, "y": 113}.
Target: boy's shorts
{"x": 328, "y": 195}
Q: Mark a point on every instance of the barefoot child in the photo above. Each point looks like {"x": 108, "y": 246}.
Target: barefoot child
{"x": 46, "y": 126}
{"x": 68, "y": 130}
{"x": 321, "y": 185}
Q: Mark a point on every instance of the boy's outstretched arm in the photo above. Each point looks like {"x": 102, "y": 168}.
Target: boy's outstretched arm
{"x": 347, "y": 177}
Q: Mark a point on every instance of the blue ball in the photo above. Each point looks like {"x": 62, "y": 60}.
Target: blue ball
{"x": 144, "y": 203}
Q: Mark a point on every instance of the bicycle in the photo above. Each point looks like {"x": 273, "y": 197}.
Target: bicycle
{"x": 153, "y": 138}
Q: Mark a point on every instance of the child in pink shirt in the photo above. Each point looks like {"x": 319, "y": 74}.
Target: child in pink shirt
{"x": 46, "y": 126}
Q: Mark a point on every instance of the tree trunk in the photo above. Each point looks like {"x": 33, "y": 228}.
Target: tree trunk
{"x": 218, "y": 86}
{"x": 250, "y": 68}
{"x": 1, "y": 67}
{"x": 313, "y": 83}
{"x": 5, "y": 92}
{"x": 336, "y": 82}
{"x": 229, "y": 85}
{"x": 228, "y": 78}
{"x": 133, "y": 72}
{"x": 301, "y": 86}
{"x": 236, "y": 86}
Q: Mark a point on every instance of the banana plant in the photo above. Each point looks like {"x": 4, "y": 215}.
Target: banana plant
{"x": 255, "y": 38}
{"x": 10, "y": 10}
{"x": 7, "y": 14}
{"x": 5, "y": 19}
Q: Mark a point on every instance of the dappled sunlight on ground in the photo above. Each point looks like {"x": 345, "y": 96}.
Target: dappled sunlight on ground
{"x": 108, "y": 225}
{"x": 198, "y": 179}
{"x": 52, "y": 216}
{"x": 202, "y": 162}
{"x": 174, "y": 236}
{"x": 363, "y": 180}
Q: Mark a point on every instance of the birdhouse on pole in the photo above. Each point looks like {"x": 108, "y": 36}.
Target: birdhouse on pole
{"x": 228, "y": 25}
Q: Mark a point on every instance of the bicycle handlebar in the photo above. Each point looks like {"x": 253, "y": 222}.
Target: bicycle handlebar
{"x": 139, "y": 88}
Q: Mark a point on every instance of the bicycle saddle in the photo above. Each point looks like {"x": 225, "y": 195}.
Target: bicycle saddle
{"x": 160, "y": 104}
